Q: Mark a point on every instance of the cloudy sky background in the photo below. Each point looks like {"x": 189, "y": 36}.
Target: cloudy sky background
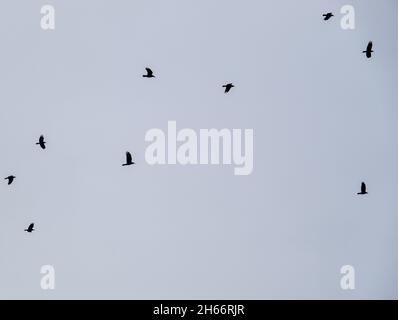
{"x": 324, "y": 117}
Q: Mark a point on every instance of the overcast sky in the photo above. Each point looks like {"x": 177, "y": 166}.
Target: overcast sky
{"x": 324, "y": 120}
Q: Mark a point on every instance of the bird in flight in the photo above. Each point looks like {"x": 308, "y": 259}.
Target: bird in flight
{"x": 228, "y": 87}
{"x": 327, "y": 16}
{"x": 129, "y": 160}
{"x": 10, "y": 179}
{"x": 363, "y": 189}
{"x": 30, "y": 228}
{"x": 41, "y": 142}
{"x": 149, "y": 73}
{"x": 369, "y": 50}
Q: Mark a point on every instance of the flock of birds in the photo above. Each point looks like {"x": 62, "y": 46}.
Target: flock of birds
{"x": 227, "y": 88}
{"x": 368, "y": 52}
{"x": 369, "y": 47}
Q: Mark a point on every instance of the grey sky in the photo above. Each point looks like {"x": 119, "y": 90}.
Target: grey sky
{"x": 324, "y": 119}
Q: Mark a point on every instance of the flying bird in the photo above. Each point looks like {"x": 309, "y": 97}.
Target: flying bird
{"x": 369, "y": 50}
{"x": 149, "y": 73}
{"x": 129, "y": 160}
{"x": 30, "y": 228}
{"x": 41, "y": 142}
{"x": 327, "y": 16}
{"x": 363, "y": 189}
{"x": 228, "y": 87}
{"x": 10, "y": 179}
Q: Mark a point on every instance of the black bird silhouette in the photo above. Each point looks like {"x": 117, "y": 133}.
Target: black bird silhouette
{"x": 10, "y": 179}
{"x": 327, "y": 16}
{"x": 30, "y": 228}
{"x": 41, "y": 142}
{"x": 363, "y": 189}
{"x": 129, "y": 160}
{"x": 369, "y": 50}
{"x": 228, "y": 87}
{"x": 149, "y": 73}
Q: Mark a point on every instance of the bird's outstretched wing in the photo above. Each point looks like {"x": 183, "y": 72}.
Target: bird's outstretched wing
{"x": 31, "y": 226}
{"x": 369, "y": 47}
{"x": 149, "y": 71}
{"x": 41, "y": 139}
{"x": 129, "y": 159}
{"x": 363, "y": 187}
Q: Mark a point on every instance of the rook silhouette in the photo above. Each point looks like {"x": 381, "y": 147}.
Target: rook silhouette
{"x": 10, "y": 179}
{"x": 149, "y": 73}
{"x": 327, "y": 16}
{"x": 41, "y": 142}
{"x": 369, "y": 50}
{"x": 30, "y": 228}
{"x": 363, "y": 189}
{"x": 129, "y": 160}
{"x": 228, "y": 87}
